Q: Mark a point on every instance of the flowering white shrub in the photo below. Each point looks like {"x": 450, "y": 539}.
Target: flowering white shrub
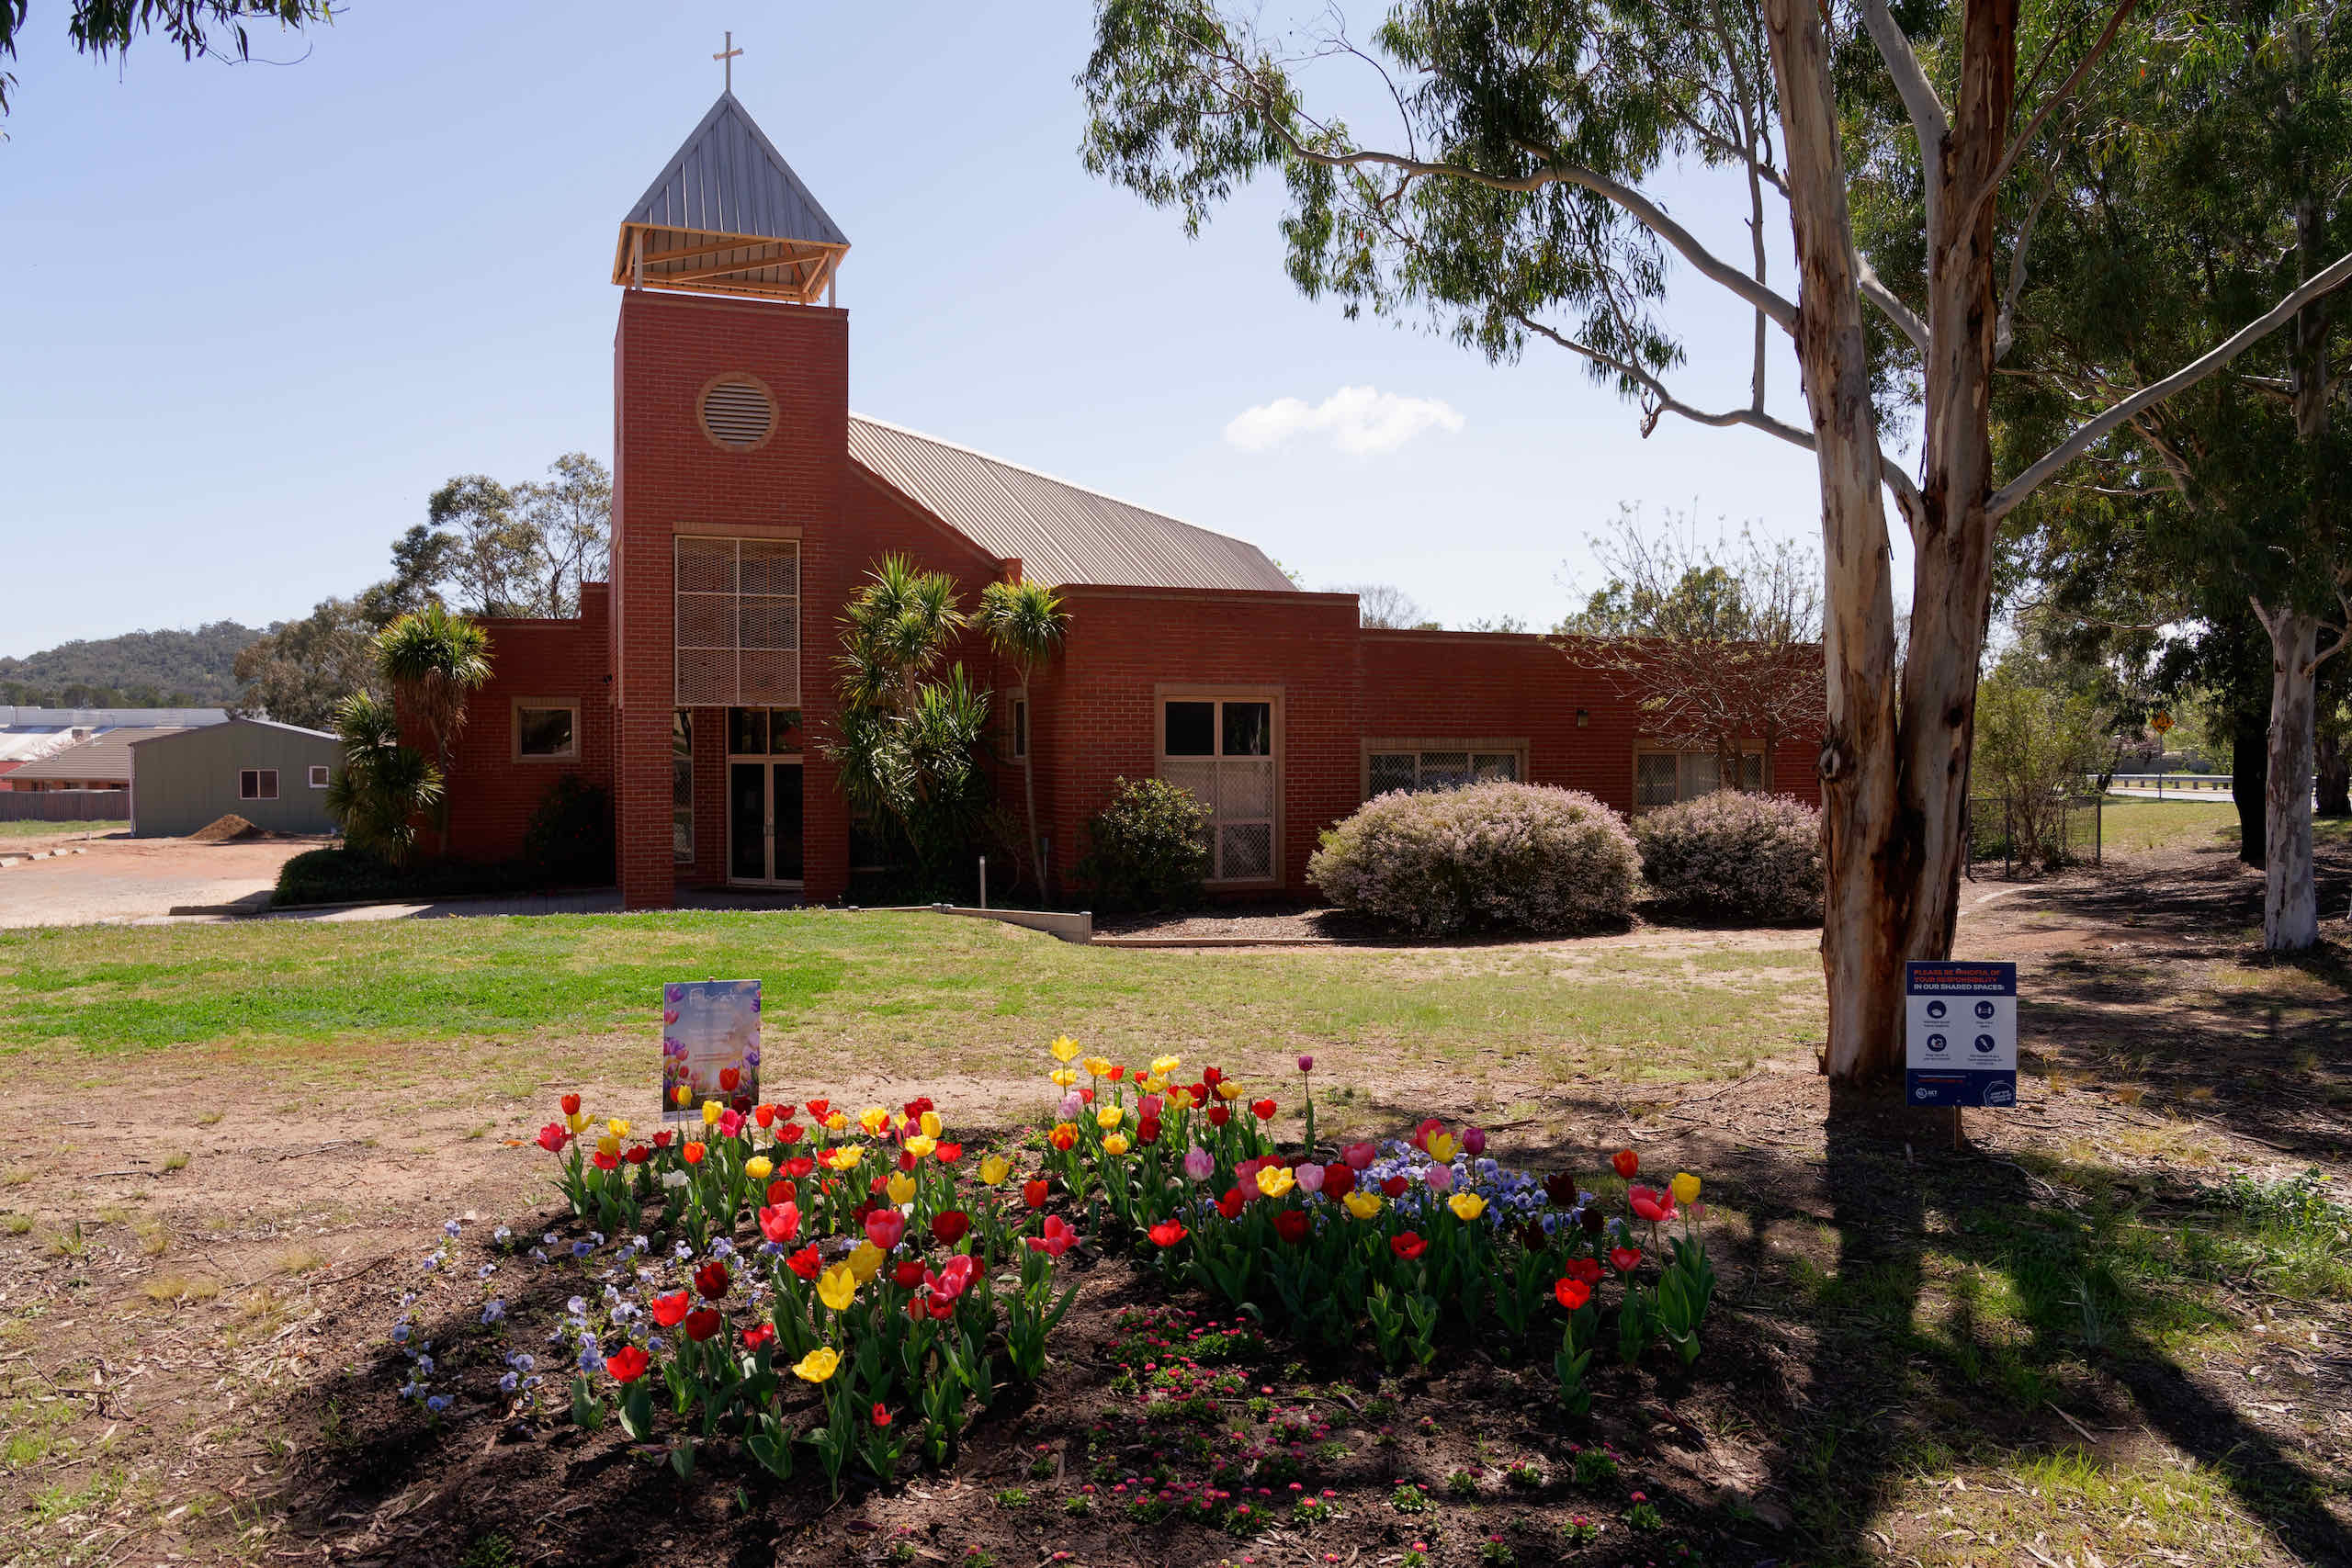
{"x": 1748, "y": 856}
{"x": 1495, "y": 855}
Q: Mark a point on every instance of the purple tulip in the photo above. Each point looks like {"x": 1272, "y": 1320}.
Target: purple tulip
{"x": 1474, "y": 1142}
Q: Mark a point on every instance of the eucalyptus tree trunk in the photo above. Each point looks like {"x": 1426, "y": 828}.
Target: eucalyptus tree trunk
{"x": 2290, "y": 898}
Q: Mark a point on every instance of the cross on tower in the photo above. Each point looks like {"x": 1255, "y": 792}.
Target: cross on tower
{"x": 728, "y": 56}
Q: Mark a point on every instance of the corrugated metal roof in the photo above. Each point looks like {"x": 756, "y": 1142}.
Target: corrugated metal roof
{"x": 106, "y": 755}
{"x": 1059, "y": 532}
{"x": 730, "y": 180}
{"x": 263, "y": 723}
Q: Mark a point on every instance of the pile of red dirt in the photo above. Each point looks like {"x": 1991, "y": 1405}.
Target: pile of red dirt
{"x": 229, "y": 829}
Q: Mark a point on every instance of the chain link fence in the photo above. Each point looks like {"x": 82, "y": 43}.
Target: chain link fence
{"x": 2047, "y": 835}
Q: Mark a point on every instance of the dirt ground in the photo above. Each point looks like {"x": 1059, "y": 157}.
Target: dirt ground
{"x": 121, "y": 878}
{"x": 196, "y": 1318}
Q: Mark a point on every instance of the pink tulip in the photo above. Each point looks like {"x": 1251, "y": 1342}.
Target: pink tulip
{"x": 1306, "y": 1064}
{"x": 1150, "y": 1105}
{"x": 1473, "y": 1140}
{"x": 884, "y": 1227}
{"x": 1070, "y": 1103}
{"x": 1360, "y": 1156}
{"x": 1440, "y": 1178}
{"x": 1058, "y": 1238}
{"x": 1197, "y": 1163}
{"x": 1310, "y": 1178}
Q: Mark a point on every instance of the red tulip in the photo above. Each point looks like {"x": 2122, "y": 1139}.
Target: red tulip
{"x": 728, "y": 1077}
{"x": 604, "y": 1161}
{"x": 1148, "y": 1129}
{"x": 1168, "y": 1232}
{"x": 1118, "y": 1073}
{"x": 1407, "y": 1245}
{"x": 628, "y": 1364}
{"x": 790, "y": 1133}
{"x": 1421, "y": 1139}
{"x": 906, "y": 1161}
{"x": 781, "y": 1193}
{"x": 571, "y": 1105}
{"x": 1585, "y": 1269}
{"x": 663, "y": 1139}
{"x": 797, "y": 1166}
{"x": 1572, "y": 1292}
{"x": 1212, "y": 1076}
{"x": 1063, "y": 1137}
{"x": 755, "y": 1338}
{"x": 1220, "y": 1113}
{"x": 1263, "y": 1109}
{"x": 1033, "y": 1192}
{"x": 884, "y": 1227}
{"x": 806, "y": 1263}
{"x": 948, "y": 1154}
{"x": 692, "y": 1154}
{"x": 915, "y": 1108}
{"x": 1628, "y": 1163}
{"x": 553, "y": 1137}
{"x": 1058, "y": 1238}
{"x": 953, "y": 1279}
{"x": 765, "y": 1115}
{"x": 948, "y": 1226}
{"x": 780, "y": 1223}
{"x": 702, "y": 1322}
{"x": 821, "y": 1109}
{"x": 1394, "y": 1186}
{"x": 711, "y": 1279}
{"x": 1293, "y": 1225}
{"x": 1231, "y": 1204}
{"x": 881, "y": 1413}
{"x": 638, "y": 1153}
{"x": 1338, "y": 1180}
{"x": 1624, "y": 1259}
{"x": 1647, "y": 1205}
{"x": 667, "y": 1310}
{"x": 908, "y": 1274}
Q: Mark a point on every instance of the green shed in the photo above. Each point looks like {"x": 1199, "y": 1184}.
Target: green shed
{"x": 274, "y": 775}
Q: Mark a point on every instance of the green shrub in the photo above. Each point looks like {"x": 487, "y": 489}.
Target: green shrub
{"x": 1750, "y": 857}
{"x": 341, "y": 876}
{"x": 1498, "y": 856}
{"x": 1149, "y": 848}
{"x": 570, "y": 840}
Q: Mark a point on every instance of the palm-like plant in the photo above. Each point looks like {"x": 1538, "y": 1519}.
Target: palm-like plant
{"x": 383, "y": 787}
{"x": 1026, "y": 623}
{"x": 435, "y": 659}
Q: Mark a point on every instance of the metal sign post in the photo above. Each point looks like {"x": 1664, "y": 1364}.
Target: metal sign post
{"x": 1961, "y": 1034}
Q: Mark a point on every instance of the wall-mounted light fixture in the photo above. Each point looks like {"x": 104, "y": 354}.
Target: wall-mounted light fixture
{"x": 1584, "y": 718}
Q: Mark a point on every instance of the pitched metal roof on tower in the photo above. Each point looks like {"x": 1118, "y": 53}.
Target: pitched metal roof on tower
{"x": 1059, "y": 532}
{"x": 729, "y": 216}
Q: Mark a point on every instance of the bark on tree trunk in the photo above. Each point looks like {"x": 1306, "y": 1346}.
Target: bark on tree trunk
{"x": 1865, "y": 849}
{"x": 2249, "y": 782}
{"x": 2289, "y": 899}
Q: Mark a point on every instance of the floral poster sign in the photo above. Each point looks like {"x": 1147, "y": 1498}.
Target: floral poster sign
{"x": 711, "y": 1045}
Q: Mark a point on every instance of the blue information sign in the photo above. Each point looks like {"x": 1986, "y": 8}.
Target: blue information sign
{"x": 1962, "y": 1023}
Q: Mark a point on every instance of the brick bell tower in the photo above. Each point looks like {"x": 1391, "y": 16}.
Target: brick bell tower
{"x": 731, "y": 407}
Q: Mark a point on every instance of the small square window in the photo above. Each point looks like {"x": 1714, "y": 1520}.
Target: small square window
{"x": 318, "y": 775}
{"x": 257, "y": 784}
{"x": 545, "y": 732}
{"x": 1192, "y": 730}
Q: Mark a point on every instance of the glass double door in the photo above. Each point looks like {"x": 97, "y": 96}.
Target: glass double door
{"x": 763, "y": 821}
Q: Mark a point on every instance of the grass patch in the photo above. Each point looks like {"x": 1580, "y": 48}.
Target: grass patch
{"x": 867, "y": 987}
{"x": 2136, "y": 826}
{"x": 57, "y": 829}
{"x": 171, "y": 1290}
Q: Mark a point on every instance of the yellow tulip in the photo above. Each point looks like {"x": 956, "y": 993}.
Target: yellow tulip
{"x": 1466, "y": 1205}
{"x": 1062, "y": 1077}
{"x": 711, "y": 1111}
{"x": 608, "y": 1145}
{"x": 1274, "y": 1181}
{"x": 759, "y": 1167}
{"x": 1097, "y": 1067}
{"x": 919, "y": 1145}
{"x": 1685, "y": 1188}
{"x": 1163, "y": 1065}
{"x": 865, "y": 1262}
{"x": 932, "y": 1126}
{"x": 679, "y": 1096}
{"x": 575, "y": 1121}
{"x": 1064, "y": 1048}
{"x": 994, "y": 1169}
{"x": 835, "y": 1287}
{"x": 837, "y": 1121}
{"x": 617, "y": 1128}
{"x": 1363, "y": 1205}
{"x": 1179, "y": 1097}
{"x": 1108, "y": 1117}
{"x": 901, "y": 1188}
{"x": 1227, "y": 1090}
{"x": 1153, "y": 1084}
{"x": 1116, "y": 1144}
{"x": 843, "y": 1156}
{"x": 818, "y": 1364}
{"x": 1441, "y": 1147}
{"x": 874, "y": 1118}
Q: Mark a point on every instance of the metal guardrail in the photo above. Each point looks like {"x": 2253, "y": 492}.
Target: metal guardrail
{"x": 2178, "y": 783}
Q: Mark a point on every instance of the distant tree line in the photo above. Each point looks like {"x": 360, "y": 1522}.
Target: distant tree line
{"x": 143, "y": 668}
{"x": 485, "y": 549}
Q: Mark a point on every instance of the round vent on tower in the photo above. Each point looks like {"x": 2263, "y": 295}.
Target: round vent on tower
{"x": 737, "y": 412}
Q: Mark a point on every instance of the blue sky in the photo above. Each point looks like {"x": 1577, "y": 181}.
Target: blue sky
{"x": 258, "y": 313}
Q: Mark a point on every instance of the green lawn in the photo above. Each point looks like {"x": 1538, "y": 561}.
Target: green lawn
{"x": 57, "y": 829}
{"x": 2129, "y": 823}
{"x": 901, "y": 989}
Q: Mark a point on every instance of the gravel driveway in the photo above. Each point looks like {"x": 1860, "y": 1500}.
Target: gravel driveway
{"x": 126, "y": 879}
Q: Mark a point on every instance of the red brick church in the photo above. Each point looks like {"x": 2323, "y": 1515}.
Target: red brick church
{"x": 748, "y": 505}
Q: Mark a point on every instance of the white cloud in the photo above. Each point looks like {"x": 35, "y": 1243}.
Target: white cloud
{"x": 1361, "y": 421}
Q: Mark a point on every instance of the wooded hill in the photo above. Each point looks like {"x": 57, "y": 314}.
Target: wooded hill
{"x": 161, "y": 669}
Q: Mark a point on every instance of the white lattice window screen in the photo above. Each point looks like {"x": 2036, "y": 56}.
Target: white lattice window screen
{"x": 1438, "y": 770}
{"x": 737, "y": 623}
{"x": 1661, "y": 778}
{"x": 1654, "y": 779}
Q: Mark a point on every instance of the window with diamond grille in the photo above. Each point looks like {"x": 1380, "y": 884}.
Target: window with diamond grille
{"x": 737, "y": 622}
{"x": 1222, "y": 751}
{"x": 1422, "y": 771}
{"x": 1661, "y": 778}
